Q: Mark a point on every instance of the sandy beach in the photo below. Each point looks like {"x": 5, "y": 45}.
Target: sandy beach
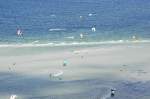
{"x": 90, "y": 72}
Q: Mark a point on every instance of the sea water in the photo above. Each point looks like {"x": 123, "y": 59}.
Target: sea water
{"x": 60, "y": 22}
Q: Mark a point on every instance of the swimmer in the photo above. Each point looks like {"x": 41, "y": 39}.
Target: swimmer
{"x": 13, "y": 96}
{"x": 133, "y": 37}
{"x": 81, "y": 36}
{"x": 112, "y": 94}
{"x": 19, "y": 32}
{"x": 93, "y": 29}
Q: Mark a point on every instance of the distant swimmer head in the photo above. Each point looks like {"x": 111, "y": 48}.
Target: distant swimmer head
{"x": 81, "y": 16}
{"x": 133, "y": 37}
{"x": 90, "y": 14}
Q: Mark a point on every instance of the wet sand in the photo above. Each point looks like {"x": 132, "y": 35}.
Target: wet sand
{"x": 90, "y": 72}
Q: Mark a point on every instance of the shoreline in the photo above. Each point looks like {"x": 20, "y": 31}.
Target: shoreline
{"x": 70, "y": 44}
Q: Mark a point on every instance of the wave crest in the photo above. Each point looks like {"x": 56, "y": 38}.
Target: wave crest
{"x": 72, "y": 43}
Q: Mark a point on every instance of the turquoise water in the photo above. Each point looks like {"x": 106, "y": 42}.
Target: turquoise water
{"x": 60, "y": 22}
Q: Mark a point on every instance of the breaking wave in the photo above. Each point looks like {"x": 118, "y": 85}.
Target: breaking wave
{"x": 38, "y": 44}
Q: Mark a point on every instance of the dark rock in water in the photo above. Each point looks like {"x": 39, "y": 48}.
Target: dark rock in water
{"x": 124, "y": 65}
{"x": 112, "y": 92}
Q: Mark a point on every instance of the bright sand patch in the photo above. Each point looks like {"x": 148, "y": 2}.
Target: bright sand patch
{"x": 119, "y": 62}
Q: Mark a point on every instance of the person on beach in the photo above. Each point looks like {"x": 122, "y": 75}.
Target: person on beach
{"x": 65, "y": 62}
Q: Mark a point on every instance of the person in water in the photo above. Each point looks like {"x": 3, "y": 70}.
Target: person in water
{"x": 134, "y": 37}
{"x": 112, "y": 94}
{"x": 81, "y": 36}
{"x": 13, "y": 96}
{"x": 19, "y": 32}
{"x": 93, "y": 29}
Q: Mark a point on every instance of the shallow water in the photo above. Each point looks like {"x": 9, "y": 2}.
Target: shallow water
{"x": 37, "y": 88}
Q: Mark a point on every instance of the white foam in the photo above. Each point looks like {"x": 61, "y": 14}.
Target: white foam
{"x": 90, "y": 14}
{"x": 59, "y": 73}
{"x": 80, "y": 51}
{"x": 70, "y": 37}
{"x": 73, "y": 43}
{"x": 57, "y": 29}
{"x": 13, "y": 96}
{"x": 53, "y": 15}
{"x": 35, "y": 41}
